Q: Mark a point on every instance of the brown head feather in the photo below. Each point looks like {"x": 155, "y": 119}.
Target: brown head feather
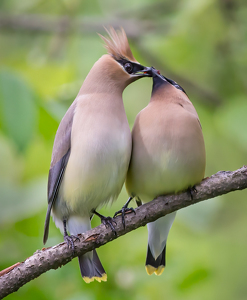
{"x": 117, "y": 44}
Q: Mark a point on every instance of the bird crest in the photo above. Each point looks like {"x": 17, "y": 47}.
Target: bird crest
{"x": 117, "y": 44}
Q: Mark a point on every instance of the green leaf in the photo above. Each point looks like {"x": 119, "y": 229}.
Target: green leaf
{"x": 232, "y": 122}
{"x": 193, "y": 278}
{"x": 47, "y": 123}
{"x": 17, "y": 109}
{"x": 20, "y": 202}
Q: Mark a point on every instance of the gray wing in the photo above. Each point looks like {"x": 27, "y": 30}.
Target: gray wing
{"x": 60, "y": 157}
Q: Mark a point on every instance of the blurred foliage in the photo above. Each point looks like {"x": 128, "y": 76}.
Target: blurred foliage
{"x": 202, "y": 44}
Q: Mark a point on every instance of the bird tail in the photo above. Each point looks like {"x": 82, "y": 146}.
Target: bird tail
{"x": 91, "y": 267}
{"x": 157, "y": 237}
{"x": 155, "y": 265}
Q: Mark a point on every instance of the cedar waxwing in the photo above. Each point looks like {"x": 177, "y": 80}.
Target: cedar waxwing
{"x": 168, "y": 156}
{"x": 92, "y": 148}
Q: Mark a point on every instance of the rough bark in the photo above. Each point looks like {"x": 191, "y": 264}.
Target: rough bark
{"x": 12, "y": 278}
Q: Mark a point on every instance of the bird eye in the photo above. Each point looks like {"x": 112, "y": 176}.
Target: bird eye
{"x": 128, "y": 67}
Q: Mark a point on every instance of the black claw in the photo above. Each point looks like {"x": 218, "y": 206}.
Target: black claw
{"x": 191, "y": 191}
{"x": 70, "y": 239}
{"x": 107, "y": 221}
{"x": 116, "y": 213}
{"x": 125, "y": 210}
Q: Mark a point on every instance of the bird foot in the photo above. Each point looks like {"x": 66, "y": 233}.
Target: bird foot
{"x": 107, "y": 221}
{"x": 191, "y": 191}
{"x": 123, "y": 212}
{"x": 70, "y": 239}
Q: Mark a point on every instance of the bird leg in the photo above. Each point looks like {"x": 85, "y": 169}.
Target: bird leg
{"x": 125, "y": 210}
{"x": 107, "y": 221}
{"x": 138, "y": 201}
{"x": 69, "y": 239}
{"x": 191, "y": 191}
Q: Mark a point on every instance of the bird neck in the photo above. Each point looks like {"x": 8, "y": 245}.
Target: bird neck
{"x": 106, "y": 76}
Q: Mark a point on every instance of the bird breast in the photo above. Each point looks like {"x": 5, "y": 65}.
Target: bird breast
{"x": 168, "y": 152}
{"x": 100, "y": 154}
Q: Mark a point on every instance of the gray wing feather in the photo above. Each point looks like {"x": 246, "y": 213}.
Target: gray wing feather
{"x": 60, "y": 157}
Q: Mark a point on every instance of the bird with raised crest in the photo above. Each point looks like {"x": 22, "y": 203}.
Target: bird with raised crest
{"x": 92, "y": 149}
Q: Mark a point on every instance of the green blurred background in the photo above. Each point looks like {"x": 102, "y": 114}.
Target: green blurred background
{"x": 46, "y": 50}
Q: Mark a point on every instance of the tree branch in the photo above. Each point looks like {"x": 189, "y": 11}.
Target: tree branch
{"x": 135, "y": 28}
{"x": 12, "y": 278}
{"x": 64, "y": 24}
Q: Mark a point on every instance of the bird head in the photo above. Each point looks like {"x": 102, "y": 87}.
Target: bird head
{"x": 120, "y": 64}
{"x": 159, "y": 80}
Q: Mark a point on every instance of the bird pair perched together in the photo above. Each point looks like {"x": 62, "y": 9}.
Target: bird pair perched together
{"x": 94, "y": 152}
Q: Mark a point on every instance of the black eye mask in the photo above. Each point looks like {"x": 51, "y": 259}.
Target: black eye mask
{"x": 130, "y": 67}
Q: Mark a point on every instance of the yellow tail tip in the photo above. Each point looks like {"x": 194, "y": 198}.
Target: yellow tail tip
{"x": 150, "y": 269}
{"x": 158, "y": 271}
{"x": 103, "y": 278}
{"x": 99, "y": 279}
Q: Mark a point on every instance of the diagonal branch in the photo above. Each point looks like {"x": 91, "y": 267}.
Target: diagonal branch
{"x": 12, "y": 278}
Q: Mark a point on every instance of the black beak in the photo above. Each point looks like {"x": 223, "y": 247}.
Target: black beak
{"x": 155, "y": 72}
{"x": 144, "y": 72}
{"x": 148, "y": 71}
